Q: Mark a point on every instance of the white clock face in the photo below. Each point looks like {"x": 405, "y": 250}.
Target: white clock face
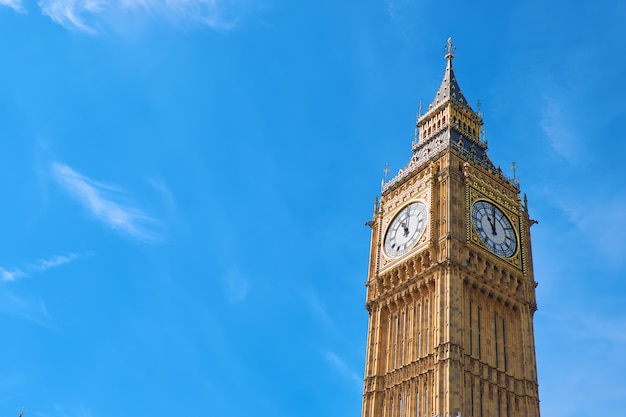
{"x": 494, "y": 229}
{"x": 405, "y": 229}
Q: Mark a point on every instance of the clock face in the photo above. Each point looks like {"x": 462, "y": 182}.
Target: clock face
{"x": 405, "y": 229}
{"x": 494, "y": 229}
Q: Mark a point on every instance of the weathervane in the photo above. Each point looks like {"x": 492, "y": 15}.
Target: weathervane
{"x": 449, "y": 48}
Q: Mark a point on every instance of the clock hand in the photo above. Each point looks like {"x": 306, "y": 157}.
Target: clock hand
{"x": 405, "y": 224}
{"x": 493, "y": 224}
{"x": 406, "y": 229}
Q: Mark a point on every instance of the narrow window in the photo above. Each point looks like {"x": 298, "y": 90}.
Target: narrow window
{"x": 495, "y": 336}
{"x": 508, "y": 405}
{"x": 504, "y": 345}
{"x": 472, "y": 399}
{"x": 471, "y": 336}
{"x": 410, "y": 334}
{"x": 395, "y": 342}
{"x": 479, "y": 352}
{"x": 417, "y": 403}
{"x": 389, "y": 344}
{"x": 403, "y": 336}
{"x": 427, "y": 325}
{"x": 480, "y": 402}
{"x": 426, "y": 402}
{"x": 419, "y": 333}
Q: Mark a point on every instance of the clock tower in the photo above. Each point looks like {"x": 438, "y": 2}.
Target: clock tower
{"x": 450, "y": 288}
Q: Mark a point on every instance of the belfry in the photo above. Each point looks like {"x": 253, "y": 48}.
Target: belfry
{"x": 450, "y": 287}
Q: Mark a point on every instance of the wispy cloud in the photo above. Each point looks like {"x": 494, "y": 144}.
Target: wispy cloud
{"x": 165, "y": 192}
{"x": 106, "y": 203}
{"x": 91, "y": 16}
{"x": 235, "y": 285}
{"x": 40, "y": 265}
{"x": 30, "y": 309}
{"x": 33, "y": 310}
{"x": 318, "y": 308}
{"x": 558, "y": 130}
{"x": 394, "y": 6}
{"x": 13, "y": 4}
{"x": 344, "y": 370}
{"x": 579, "y": 331}
{"x": 601, "y": 217}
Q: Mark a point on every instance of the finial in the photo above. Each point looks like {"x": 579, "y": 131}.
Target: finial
{"x": 376, "y": 207}
{"x": 478, "y": 104}
{"x": 525, "y": 202}
{"x": 417, "y": 118}
{"x": 386, "y": 171}
{"x": 449, "y": 48}
{"x": 21, "y": 412}
{"x": 514, "y": 168}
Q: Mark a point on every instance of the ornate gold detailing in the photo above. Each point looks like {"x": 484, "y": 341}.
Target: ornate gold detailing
{"x": 421, "y": 156}
{"x": 494, "y": 184}
{"x": 400, "y": 280}
{"x": 450, "y": 321}
{"x": 511, "y": 209}
{"x": 424, "y": 239}
{"x": 414, "y": 185}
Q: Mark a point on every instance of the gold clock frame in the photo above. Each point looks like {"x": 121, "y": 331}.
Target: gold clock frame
{"x": 424, "y": 240}
{"x": 510, "y": 210}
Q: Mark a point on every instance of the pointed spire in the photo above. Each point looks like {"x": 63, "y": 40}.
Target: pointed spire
{"x": 449, "y": 89}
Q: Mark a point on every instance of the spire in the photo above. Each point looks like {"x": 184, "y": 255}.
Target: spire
{"x": 449, "y": 125}
{"x": 449, "y": 89}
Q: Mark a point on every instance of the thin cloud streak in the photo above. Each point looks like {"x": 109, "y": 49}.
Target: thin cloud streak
{"x": 54, "y": 261}
{"x": 90, "y": 16}
{"x": 70, "y": 13}
{"x": 34, "y": 311}
{"x": 39, "y": 266}
{"x": 344, "y": 370}
{"x": 236, "y": 286}
{"x": 106, "y": 204}
{"x": 558, "y": 130}
{"x": 599, "y": 204}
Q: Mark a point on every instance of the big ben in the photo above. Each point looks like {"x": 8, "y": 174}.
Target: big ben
{"x": 450, "y": 288}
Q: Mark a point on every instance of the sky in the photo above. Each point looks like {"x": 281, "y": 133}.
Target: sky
{"x": 185, "y": 185}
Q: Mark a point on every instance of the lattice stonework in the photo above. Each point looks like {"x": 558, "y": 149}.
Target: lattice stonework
{"x": 451, "y": 290}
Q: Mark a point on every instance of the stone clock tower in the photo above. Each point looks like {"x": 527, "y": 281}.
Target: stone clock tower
{"x": 450, "y": 291}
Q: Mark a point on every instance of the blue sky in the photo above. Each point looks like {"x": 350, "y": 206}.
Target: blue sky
{"x": 185, "y": 186}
